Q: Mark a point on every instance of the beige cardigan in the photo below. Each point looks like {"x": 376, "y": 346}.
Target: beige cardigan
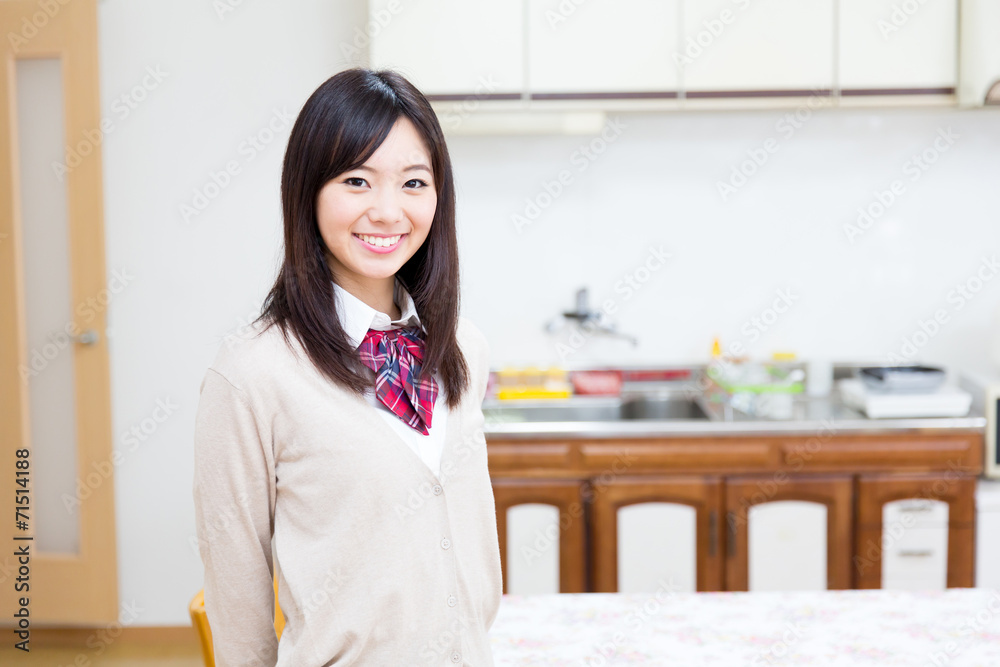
{"x": 379, "y": 562}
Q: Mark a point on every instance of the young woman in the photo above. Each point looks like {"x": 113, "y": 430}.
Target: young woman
{"x": 339, "y": 441}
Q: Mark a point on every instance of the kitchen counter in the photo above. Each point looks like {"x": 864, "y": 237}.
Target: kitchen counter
{"x": 957, "y": 627}
{"x": 808, "y": 416}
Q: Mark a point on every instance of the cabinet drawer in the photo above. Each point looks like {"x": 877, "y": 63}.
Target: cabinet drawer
{"x": 521, "y": 455}
{"x": 682, "y": 455}
{"x": 915, "y": 513}
{"x": 926, "y": 564}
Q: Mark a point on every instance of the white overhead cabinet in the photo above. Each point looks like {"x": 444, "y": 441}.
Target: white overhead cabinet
{"x": 768, "y": 46}
{"x": 672, "y": 53}
{"x": 898, "y": 46}
{"x": 602, "y": 48}
{"x": 980, "y": 53}
{"x": 451, "y": 47}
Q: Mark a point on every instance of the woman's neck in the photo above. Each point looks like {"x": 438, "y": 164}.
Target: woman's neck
{"x": 377, "y": 294}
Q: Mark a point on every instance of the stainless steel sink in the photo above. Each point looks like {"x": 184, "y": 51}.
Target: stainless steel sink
{"x": 588, "y": 408}
{"x": 662, "y": 407}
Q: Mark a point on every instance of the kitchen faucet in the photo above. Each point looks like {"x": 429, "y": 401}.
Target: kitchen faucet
{"x": 591, "y": 321}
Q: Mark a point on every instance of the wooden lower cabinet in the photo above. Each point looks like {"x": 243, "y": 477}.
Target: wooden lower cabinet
{"x": 696, "y": 542}
{"x": 917, "y": 531}
{"x": 563, "y": 538}
{"x": 737, "y": 513}
{"x": 813, "y": 534}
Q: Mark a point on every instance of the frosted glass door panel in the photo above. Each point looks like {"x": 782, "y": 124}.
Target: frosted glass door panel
{"x": 48, "y": 306}
{"x": 532, "y": 549}
{"x": 657, "y": 548}
{"x": 787, "y": 546}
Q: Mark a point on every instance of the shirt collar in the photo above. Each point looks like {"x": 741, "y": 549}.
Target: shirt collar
{"x": 357, "y": 317}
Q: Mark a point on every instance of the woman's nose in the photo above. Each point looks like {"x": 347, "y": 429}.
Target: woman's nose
{"x": 386, "y": 206}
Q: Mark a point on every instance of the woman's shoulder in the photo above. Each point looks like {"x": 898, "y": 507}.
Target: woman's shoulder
{"x": 471, "y": 337}
{"x": 253, "y": 353}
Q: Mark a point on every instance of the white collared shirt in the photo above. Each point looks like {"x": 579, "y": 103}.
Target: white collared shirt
{"x": 356, "y": 318}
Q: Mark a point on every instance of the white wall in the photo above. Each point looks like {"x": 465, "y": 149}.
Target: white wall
{"x": 193, "y": 281}
{"x": 655, "y": 184}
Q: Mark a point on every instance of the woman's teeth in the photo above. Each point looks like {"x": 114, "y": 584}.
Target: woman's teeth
{"x": 379, "y": 241}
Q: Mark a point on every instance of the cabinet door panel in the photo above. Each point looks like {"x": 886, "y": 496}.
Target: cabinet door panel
{"x": 602, "y": 46}
{"x": 888, "y": 44}
{"x": 526, "y": 531}
{"x": 532, "y": 549}
{"x": 657, "y": 547}
{"x": 787, "y": 546}
{"x": 762, "y": 45}
{"x": 629, "y": 504}
{"x": 900, "y": 535}
{"x": 834, "y": 492}
{"x": 451, "y": 47}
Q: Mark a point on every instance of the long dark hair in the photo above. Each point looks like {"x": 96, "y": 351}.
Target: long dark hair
{"x": 341, "y": 125}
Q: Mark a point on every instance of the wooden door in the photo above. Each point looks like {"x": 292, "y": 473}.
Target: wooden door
{"x": 834, "y": 492}
{"x": 874, "y": 540}
{"x": 55, "y": 417}
{"x": 702, "y": 494}
{"x": 568, "y": 535}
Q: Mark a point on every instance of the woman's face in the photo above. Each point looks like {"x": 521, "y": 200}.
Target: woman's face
{"x": 375, "y": 217}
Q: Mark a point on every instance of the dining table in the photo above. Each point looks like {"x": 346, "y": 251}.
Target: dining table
{"x": 958, "y": 627}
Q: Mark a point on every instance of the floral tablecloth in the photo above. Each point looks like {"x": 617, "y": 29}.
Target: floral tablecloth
{"x": 957, "y": 628}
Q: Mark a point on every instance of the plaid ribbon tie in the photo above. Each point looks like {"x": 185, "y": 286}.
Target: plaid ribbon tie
{"x": 396, "y": 356}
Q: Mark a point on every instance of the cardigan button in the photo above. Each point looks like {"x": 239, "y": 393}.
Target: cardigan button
{"x": 452, "y": 601}
{"x": 456, "y": 657}
{"x": 445, "y": 543}
{"x": 437, "y": 489}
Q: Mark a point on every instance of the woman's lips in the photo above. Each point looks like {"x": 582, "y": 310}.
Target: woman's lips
{"x": 379, "y": 243}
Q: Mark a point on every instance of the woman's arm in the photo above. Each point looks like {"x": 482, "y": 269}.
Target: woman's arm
{"x": 233, "y": 473}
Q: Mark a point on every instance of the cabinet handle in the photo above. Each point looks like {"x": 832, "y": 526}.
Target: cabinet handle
{"x": 713, "y": 533}
{"x": 915, "y": 553}
{"x": 731, "y": 541}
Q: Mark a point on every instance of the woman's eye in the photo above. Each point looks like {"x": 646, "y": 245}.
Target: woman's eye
{"x": 355, "y": 181}
{"x": 416, "y": 183}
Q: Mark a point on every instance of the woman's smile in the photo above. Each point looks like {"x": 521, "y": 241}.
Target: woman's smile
{"x": 380, "y": 242}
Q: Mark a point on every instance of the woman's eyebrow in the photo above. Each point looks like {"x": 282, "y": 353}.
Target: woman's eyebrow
{"x": 412, "y": 167}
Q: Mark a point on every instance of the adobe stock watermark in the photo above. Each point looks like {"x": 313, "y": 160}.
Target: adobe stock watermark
{"x": 137, "y": 434}
{"x": 636, "y": 618}
{"x": 581, "y": 159}
{"x": 627, "y": 286}
{"x": 711, "y": 30}
{"x": 549, "y": 537}
{"x": 455, "y": 113}
{"x": 31, "y": 25}
{"x": 758, "y": 156}
{"x": 247, "y": 152}
{"x": 894, "y": 532}
{"x": 225, "y": 7}
{"x": 914, "y": 168}
{"x": 957, "y": 298}
{"x": 356, "y": 51}
{"x": 332, "y": 582}
{"x": 977, "y": 626}
{"x": 40, "y": 358}
{"x": 900, "y": 15}
{"x": 800, "y": 454}
{"x": 562, "y": 13}
{"x": 122, "y": 107}
{"x": 779, "y": 649}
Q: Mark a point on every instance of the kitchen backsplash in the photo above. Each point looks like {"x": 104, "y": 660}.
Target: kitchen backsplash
{"x": 863, "y": 235}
